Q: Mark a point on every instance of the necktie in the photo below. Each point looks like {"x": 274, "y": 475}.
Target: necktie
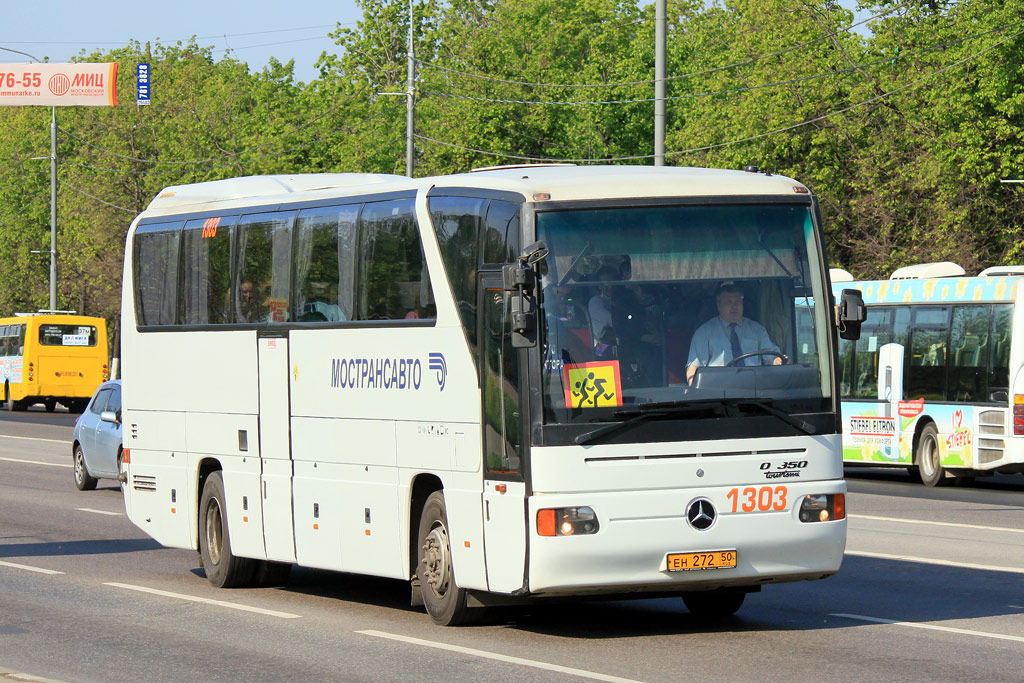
{"x": 734, "y": 341}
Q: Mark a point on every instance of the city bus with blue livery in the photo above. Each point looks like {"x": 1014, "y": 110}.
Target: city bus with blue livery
{"x": 402, "y": 377}
{"x": 935, "y": 384}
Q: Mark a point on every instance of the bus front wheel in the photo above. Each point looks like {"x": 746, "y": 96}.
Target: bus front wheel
{"x": 928, "y": 465}
{"x": 223, "y": 569}
{"x": 444, "y": 600}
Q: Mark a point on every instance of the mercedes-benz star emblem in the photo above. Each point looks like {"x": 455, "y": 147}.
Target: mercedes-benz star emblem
{"x": 700, "y": 513}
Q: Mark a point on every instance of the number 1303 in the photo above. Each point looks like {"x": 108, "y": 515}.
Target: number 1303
{"x": 762, "y": 499}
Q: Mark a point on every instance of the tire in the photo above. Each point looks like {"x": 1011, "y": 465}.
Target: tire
{"x": 223, "y": 569}
{"x": 444, "y": 600}
{"x": 927, "y": 457}
{"x": 83, "y": 480}
{"x": 270, "y": 574}
{"x": 9, "y": 403}
{"x": 715, "y": 604}
{"x": 50, "y": 404}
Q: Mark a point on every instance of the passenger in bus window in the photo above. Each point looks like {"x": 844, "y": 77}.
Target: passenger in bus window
{"x": 730, "y": 335}
{"x": 252, "y": 303}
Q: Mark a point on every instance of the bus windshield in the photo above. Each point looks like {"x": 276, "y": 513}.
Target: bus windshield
{"x": 662, "y": 304}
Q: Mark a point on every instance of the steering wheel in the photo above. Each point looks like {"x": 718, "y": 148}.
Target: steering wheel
{"x": 765, "y": 352}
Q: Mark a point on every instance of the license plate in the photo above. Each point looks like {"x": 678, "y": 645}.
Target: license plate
{"x": 711, "y": 559}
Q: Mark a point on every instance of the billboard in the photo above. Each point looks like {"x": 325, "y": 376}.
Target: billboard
{"x": 58, "y": 85}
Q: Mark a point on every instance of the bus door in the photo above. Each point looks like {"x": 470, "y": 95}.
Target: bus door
{"x": 275, "y": 446}
{"x": 890, "y": 395}
{"x": 504, "y": 494}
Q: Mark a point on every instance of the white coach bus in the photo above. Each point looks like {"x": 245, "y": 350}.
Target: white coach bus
{"x": 478, "y": 383}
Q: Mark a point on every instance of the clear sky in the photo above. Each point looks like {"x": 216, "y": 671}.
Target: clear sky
{"x": 253, "y": 30}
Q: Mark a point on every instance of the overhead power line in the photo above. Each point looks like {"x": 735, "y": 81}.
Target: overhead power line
{"x": 749, "y": 138}
{"x": 728, "y": 91}
{"x": 750, "y": 60}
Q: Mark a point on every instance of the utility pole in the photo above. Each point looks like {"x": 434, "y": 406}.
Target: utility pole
{"x": 410, "y": 148}
{"x": 53, "y": 192}
{"x": 53, "y": 208}
{"x": 660, "y": 24}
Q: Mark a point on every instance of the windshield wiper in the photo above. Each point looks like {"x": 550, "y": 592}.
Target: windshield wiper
{"x": 575, "y": 262}
{"x": 649, "y": 411}
{"x": 765, "y": 405}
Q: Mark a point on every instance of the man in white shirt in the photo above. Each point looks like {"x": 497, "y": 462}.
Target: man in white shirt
{"x": 729, "y": 335}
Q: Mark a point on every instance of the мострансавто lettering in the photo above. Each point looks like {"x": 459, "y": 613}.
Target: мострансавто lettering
{"x": 376, "y": 373}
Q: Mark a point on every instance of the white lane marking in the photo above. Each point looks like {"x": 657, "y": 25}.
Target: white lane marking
{"x": 484, "y": 654}
{"x": 208, "y": 601}
{"x": 950, "y": 524}
{"x": 932, "y": 627}
{"x": 931, "y": 560}
{"x": 101, "y": 512}
{"x": 36, "y": 438}
{"x": 8, "y": 675}
{"x": 39, "y": 462}
{"x": 31, "y": 569}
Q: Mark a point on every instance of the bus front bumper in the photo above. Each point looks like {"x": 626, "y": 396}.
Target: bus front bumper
{"x": 638, "y": 533}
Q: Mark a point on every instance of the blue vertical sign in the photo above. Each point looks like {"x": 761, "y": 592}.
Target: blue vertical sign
{"x": 142, "y": 83}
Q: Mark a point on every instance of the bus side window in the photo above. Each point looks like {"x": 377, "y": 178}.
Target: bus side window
{"x": 501, "y": 387}
{"x": 999, "y": 348}
{"x": 324, "y": 263}
{"x": 393, "y": 282}
{"x": 929, "y": 336}
{"x": 968, "y": 353}
{"x": 204, "y": 284}
{"x": 458, "y": 224}
{"x": 263, "y": 267}
{"x": 875, "y": 333}
{"x": 156, "y": 273}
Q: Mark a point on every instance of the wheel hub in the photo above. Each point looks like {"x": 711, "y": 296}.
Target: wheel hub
{"x": 213, "y": 531}
{"x": 436, "y": 560}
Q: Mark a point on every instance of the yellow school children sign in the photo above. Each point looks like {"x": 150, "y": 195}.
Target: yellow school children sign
{"x": 593, "y": 385}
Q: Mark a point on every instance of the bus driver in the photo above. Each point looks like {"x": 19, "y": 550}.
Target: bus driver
{"x": 729, "y": 335}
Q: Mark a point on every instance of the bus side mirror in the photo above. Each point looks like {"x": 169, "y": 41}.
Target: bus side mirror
{"x": 520, "y": 279}
{"x": 850, "y": 313}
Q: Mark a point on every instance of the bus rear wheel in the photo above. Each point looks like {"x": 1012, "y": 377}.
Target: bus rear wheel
{"x": 718, "y": 603}
{"x": 444, "y": 600}
{"x": 932, "y": 473}
{"x": 223, "y": 569}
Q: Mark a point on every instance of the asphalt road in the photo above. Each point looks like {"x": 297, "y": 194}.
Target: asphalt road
{"x": 932, "y": 588}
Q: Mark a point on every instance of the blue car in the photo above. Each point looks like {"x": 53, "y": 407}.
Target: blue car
{"x": 96, "y": 441}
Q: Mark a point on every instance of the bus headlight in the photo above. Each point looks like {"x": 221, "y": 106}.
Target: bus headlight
{"x": 577, "y": 521}
{"x": 827, "y": 507}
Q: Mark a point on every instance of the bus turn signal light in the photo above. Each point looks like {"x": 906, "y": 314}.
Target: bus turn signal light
{"x": 1018, "y": 414}
{"x": 575, "y": 521}
{"x": 827, "y": 507}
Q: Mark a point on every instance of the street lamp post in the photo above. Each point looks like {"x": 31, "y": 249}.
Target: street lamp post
{"x": 53, "y": 192}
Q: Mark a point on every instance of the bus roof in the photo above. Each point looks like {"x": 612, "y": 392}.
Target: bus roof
{"x": 935, "y": 290}
{"x": 547, "y": 182}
